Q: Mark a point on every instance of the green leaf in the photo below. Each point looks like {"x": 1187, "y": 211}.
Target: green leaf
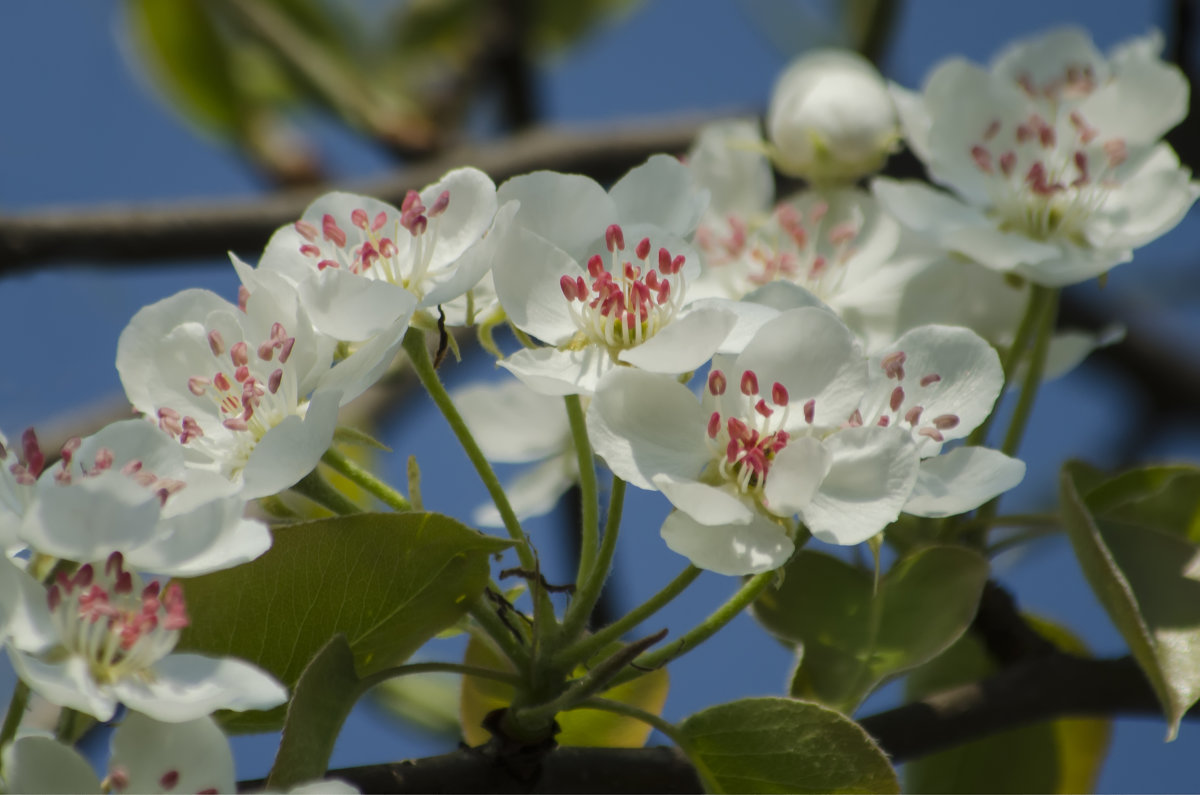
{"x": 188, "y": 61}
{"x": 853, "y": 637}
{"x": 1064, "y": 755}
{"x": 580, "y": 727}
{"x": 344, "y": 434}
{"x": 781, "y": 745}
{"x": 324, "y": 696}
{"x": 387, "y": 581}
{"x": 1165, "y": 498}
{"x": 1146, "y": 581}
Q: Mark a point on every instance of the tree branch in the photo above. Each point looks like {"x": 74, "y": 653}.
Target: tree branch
{"x": 145, "y": 234}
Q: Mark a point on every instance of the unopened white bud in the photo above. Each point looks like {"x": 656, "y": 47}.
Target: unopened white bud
{"x": 831, "y": 118}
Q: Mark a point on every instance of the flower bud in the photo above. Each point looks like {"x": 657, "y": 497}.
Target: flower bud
{"x": 831, "y": 118}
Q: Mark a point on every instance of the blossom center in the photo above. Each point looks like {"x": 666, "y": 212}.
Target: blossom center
{"x": 1046, "y": 180}
{"x": 746, "y": 440}
{"x": 112, "y": 621}
{"x": 904, "y": 407}
{"x": 392, "y": 249}
{"x": 625, "y": 304}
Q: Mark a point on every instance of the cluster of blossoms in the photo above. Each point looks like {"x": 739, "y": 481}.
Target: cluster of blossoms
{"x": 840, "y": 343}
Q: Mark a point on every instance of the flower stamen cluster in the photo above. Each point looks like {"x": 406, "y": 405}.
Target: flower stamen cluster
{"x": 744, "y": 446}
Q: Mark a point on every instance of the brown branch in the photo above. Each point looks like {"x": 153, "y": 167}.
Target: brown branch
{"x": 147, "y": 233}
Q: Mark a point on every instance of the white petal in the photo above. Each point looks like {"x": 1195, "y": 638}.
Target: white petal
{"x": 513, "y": 423}
{"x": 291, "y": 449}
{"x": 812, "y": 353}
{"x": 31, "y": 626}
{"x": 962, "y": 480}
{"x": 661, "y": 192}
{"x": 67, "y": 684}
{"x": 873, "y": 473}
{"x": 359, "y": 371}
{"x": 195, "y": 753}
{"x": 1045, "y": 57}
{"x": 914, "y": 119}
{"x": 568, "y": 210}
{"x": 795, "y": 475}
{"x": 708, "y": 505}
{"x": 1068, "y": 349}
{"x": 528, "y": 274}
{"x": 43, "y": 765}
{"x": 350, "y": 307}
{"x": 470, "y": 212}
{"x": 554, "y": 372}
{"x": 685, "y": 343}
{"x": 645, "y": 424}
{"x": 735, "y": 550}
{"x": 729, "y": 158}
{"x": 534, "y": 493}
{"x": 92, "y": 517}
{"x": 474, "y": 263}
{"x": 189, "y": 686}
{"x": 210, "y": 537}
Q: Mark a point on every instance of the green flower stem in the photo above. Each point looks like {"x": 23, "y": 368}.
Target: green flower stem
{"x": 702, "y": 632}
{"x": 379, "y": 677}
{"x": 589, "y": 646}
{"x": 343, "y": 465}
{"x": 481, "y": 610}
{"x": 414, "y": 346}
{"x": 1047, "y": 297}
{"x": 1017, "y": 539}
{"x": 1012, "y": 358}
{"x": 666, "y": 727}
{"x": 317, "y": 489}
{"x": 589, "y": 492}
{"x": 592, "y": 583}
{"x": 16, "y": 712}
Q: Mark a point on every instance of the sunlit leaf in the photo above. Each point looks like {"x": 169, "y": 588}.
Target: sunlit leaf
{"x": 584, "y": 727}
{"x": 783, "y": 745}
{"x": 854, "y": 637}
{"x": 388, "y": 582}
{"x": 1165, "y": 498}
{"x": 1146, "y": 580}
{"x": 1064, "y": 755}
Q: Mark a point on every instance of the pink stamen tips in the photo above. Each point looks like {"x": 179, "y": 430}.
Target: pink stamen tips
{"x": 1086, "y": 132}
{"x": 1116, "y": 151}
{"x": 285, "y": 350}
{"x": 380, "y": 220}
{"x": 893, "y": 364}
{"x": 236, "y": 424}
{"x": 273, "y": 382}
{"x": 843, "y": 233}
{"x": 387, "y": 248}
{"x": 1008, "y": 161}
{"x": 359, "y": 218}
{"x": 716, "y": 382}
{"x": 631, "y": 272}
{"x": 266, "y": 351}
{"x": 643, "y": 248}
{"x": 897, "y": 398}
{"x": 913, "y": 415}
{"x": 191, "y": 430}
{"x": 762, "y": 408}
{"x": 569, "y": 288}
{"x": 779, "y": 394}
{"x": 440, "y": 204}
{"x": 664, "y": 292}
{"x": 221, "y": 382}
{"x": 749, "y": 383}
{"x": 115, "y": 562}
{"x": 216, "y": 343}
{"x": 1047, "y": 136}
{"x": 932, "y": 378}
{"x": 932, "y": 433}
{"x": 982, "y": 158}
{"x": 35, "y": 460}
{"x": 714, "y": 425}
{"x": 944, "y": 422}
{"x": 991, "y": 130}
{"x": 810, "y": 410}
{"x": 677, "y": 263}
{"x": 884, "y": 421}
{"x": 595, "y": 266}
{"x": 368, "y": 255}
{"x": 309, "y": 250}
{"x": 241, "y": 373}
{"x": 103, "y": 461}
{"x": 169, "y": 780}
{"x": 331, "y": 231}
{"x": 54, "y": 597}
{"x": 327, "y": 263}
{"x": 306, "y": 230}
{"x": 737, "y": 429}
{"x": 614, "y": 238}
{"x": 1081, "y": 164}
{"x": 856, "y": 419}
{"x": 240, "y": 354}
{"x": 817, "y": 213}
{"x": 664, "y": 261}
{"x": 732, "y": 450}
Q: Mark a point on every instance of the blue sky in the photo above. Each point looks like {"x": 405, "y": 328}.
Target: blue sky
{"x": 82, "y": 128}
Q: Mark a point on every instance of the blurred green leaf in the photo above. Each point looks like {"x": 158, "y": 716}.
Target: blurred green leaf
{"x": 324, "y": 696}
{"x": 188, "y": 61}
{"x": 1165, "y": 498}
{"x": 427, "y": 701}
{"x": 387, "y": 581}
{"x": 853, "y": 637}
{"x": 580, "y": 727}
{"x": 782, "y": 745}
{"x": 1054, "y": 756}
{"x": 1146, "y": 580}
